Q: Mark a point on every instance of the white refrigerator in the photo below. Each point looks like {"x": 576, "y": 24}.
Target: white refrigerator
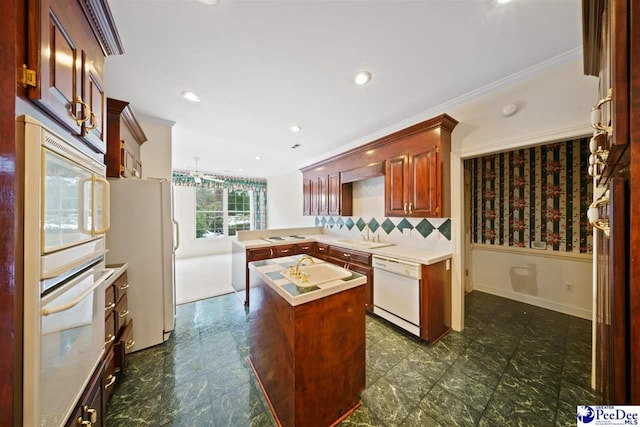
{"x": 144, "y": 234}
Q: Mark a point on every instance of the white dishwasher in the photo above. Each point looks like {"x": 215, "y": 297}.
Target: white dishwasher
{"x": 396, "y": 292}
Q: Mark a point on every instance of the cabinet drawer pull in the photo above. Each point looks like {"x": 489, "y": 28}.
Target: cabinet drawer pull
{"x": 109, "y": 306}
{"x": 125, "y": 286}
{"x": 271, "y": 252}
{"x": 112, "y": 379}
{"x": 110, "y": 338}
{"x": 321, "y": 249}
{"x": 284, "y": 251}
{"x": 410, "y": 208}
{"x": 93, "y": 414}
{"x": 596, "y": 113}
{"x": 86, "y": 111}
{"x": 304, "y": 248}
{"x": 92, "y": 123}
{"x": 124, "y": 314}
{"x": 129, "y": 344}
{"x": 405, "y": 208}
{"x": 346, "y": 255}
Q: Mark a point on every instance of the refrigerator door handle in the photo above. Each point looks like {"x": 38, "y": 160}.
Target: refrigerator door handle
{"x": 177, "y": 242}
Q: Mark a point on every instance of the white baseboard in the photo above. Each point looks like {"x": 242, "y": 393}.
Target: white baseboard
{"x": 538, "y": 302}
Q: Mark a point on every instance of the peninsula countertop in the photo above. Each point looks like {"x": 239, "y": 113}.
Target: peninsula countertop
{"x": 270, "y": 271}
{"x": 405, "y": 253}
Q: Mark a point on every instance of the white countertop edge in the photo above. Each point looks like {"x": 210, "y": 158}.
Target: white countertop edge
{"x": 405, "y": 253}
{"x": 326, "y": 289}
{"x": 117, "y": 271}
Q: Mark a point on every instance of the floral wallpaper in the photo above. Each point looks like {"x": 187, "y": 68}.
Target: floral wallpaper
{"x": 533, "y": 194}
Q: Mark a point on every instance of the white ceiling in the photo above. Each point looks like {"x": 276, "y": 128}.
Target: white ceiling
{"x": 260, "y": 66}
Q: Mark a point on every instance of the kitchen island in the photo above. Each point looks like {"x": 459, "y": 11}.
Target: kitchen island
{"x": 307, "y": 343}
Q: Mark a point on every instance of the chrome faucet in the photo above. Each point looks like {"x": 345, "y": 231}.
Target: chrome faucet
{"x": 297, "y": 270}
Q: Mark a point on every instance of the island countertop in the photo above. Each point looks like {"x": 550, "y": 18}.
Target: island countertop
{"x": 270, "y": 271}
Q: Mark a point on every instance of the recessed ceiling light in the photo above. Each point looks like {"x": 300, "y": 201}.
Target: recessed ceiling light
{"x": 239, "y": 169}
{"x": 362, "y": 77}
{"x": 504, "y": 1}
{"x": 257, "y": 157}
{"x": 209, "y": 2}
{"x": 295, "y": 128}
{"x": 190, "y": 96}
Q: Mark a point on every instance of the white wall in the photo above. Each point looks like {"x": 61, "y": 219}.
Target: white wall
{"x": 185, "y": 213}
{"x": 535, "y": 277}
{"x": 553, "y": 104}
{"x": 284, "y": 201}
{"x": 155, "y": 153}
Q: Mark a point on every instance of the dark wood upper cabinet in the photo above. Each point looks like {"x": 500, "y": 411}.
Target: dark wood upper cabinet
{"x": 313, "y": 185}
{"x": 396, "y": 185}
{"x": 414, "y": 182}
{"x": 340, "y": 195}
{"x": 67, "y": 43}
{"x": 323, "y": 195}
{"x": 93, "y": 130}
{"x": 334, "y": 193}
{"x": 124, "y": 138}
{"x": 416, "y": 170}
{"x": 306, "y": 197}
{"x": 424, "y": 184}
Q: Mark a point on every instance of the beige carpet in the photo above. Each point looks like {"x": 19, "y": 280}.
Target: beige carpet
{"x": 202, "y": 277}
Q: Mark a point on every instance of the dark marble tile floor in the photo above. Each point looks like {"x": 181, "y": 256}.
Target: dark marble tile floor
{"x": 514, "y": 364}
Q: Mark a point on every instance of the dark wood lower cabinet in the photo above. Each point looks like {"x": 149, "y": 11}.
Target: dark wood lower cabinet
{"x": 309, "y": 358}
{"x": 435, "y": 311}
{"x": 357, "y": 261}
{"x": 90, "y": 409}
{"x": 365, "y": 270}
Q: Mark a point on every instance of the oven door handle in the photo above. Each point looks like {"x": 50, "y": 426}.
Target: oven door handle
{"x": 52, "y": 310}
{"x": 105, "y": 206}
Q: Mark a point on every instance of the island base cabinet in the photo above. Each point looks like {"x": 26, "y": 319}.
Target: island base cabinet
{"x": 310, "y": 358}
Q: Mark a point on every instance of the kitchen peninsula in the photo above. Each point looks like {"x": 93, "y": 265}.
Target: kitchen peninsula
{"x": 307, "y": 342}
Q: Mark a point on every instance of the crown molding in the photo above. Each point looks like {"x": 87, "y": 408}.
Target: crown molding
{"x": 579, "y": 130}
{"x": 103, "y": 26}
{"x": 518, "y": 77}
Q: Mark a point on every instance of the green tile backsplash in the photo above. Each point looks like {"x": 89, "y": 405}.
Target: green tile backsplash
{"x": 425, "y": 227}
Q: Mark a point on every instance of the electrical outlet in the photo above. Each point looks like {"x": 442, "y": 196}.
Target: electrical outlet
{"x": 568, "y": 287}
{"x": 406, "y": 232}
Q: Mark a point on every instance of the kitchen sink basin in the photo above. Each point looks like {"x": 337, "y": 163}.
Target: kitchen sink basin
{"x": 363, "y": 243}
{"x": 317, "y": 274}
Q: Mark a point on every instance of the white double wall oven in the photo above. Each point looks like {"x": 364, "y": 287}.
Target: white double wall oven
{"x": 66, "y": 217}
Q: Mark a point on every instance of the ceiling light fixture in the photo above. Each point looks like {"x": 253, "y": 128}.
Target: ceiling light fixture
{"x": 190, "y": 96}
{"x": 509, "y": 110}
{"x": 504, "y": 1}
{"x": 295, "y": 128}
{"x": 257, "y": 157}
{"x": 362, "y": 77}
{"x": 209, "y": 2}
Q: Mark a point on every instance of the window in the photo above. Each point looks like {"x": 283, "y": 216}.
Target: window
{"x": 221, "y": 212}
